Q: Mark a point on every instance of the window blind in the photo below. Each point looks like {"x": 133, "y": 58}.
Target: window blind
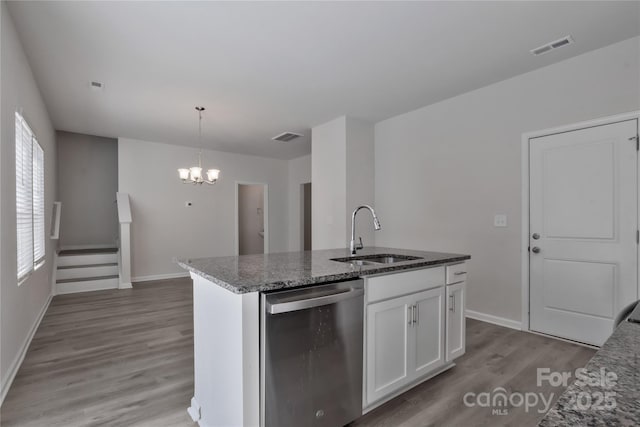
{"x": 38, "y": 202}
{"x": 24, "y": 197}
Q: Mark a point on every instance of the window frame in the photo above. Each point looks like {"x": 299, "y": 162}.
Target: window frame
{"x": 33, "y": 168}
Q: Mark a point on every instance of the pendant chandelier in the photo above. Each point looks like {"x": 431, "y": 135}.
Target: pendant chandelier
{"x": 193, "y": 175}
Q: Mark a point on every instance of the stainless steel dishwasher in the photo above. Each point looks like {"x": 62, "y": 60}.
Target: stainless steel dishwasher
{"x": 311, "y": 355}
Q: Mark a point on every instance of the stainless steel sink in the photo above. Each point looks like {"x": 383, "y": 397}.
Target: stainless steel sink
{"x": 376, "y": 259}
{"x": 359, "y": 262}
{"x": 386, "y": 259}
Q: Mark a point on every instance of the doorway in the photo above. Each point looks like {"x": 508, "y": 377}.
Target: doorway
{"x": 252, "y": 230}
{"x": 582, "y": 237}
{"x": 305, "y": 216}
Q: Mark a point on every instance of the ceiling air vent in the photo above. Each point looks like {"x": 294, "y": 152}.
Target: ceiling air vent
{"x": 565, "y": 41}
{"x": 286, "y": 136}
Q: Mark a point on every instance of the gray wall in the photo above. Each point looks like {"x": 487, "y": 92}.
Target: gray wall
{"x": 306, "y": 216}
{"x": 22, "y": 305}
{"x": 87, "y": 186}
{"x": 299, "y": 173}
{"x": 444, "y": 170}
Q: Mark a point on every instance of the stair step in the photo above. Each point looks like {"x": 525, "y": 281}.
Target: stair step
{"x": 86, "y": 285}
{"x": 66, "y": 267}
{"x": 86, "y": 279}
{"x": 85, "y": 271}
{"x": 87, "y": 259}
{"x": 93, "y": 251}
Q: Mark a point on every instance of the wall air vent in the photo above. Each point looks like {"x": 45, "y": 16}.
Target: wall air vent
{"x": 96, "y": 85}
{"x": 565, "y": 41}
{"x": 286, "y": 136}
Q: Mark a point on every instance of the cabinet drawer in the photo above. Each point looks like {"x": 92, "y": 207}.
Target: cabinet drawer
{"x": 456, "y": 273}
{"x": 403, "y": 283}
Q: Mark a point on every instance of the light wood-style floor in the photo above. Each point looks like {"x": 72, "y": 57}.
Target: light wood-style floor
{"x": 125, "y": 358}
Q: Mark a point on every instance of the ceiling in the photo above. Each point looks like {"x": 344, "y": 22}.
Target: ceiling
{"x": 262, "y": 68}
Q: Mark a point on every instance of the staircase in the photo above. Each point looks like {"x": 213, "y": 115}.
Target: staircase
{"x": 84, "y": 270}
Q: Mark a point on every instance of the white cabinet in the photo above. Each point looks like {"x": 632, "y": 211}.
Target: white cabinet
{"x": 405, "y": 341}
{"x": 414, "y": 328}
{"x": 427, "y": 332}
{"x": 455, "y": 323}
{"x": 387, "y": 348}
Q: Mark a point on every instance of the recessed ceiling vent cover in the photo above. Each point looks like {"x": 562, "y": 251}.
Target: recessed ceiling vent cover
{"x": 565, "y": 41}
{"x": 286, "y": 136}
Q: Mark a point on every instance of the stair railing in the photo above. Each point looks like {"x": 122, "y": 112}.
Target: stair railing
{"x": 124, "y": 243}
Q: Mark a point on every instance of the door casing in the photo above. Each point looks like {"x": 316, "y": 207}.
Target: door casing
{"x": 526, "y": 137}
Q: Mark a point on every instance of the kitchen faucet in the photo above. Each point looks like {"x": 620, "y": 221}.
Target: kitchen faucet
{"x": 353, "y": 246}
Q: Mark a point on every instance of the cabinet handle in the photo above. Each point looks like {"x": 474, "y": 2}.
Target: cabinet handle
{"x": 414, "y": 311}
{"x": 409, "y": 314}
{"x": 459, "y": 273}
{"x": 452, "y": 303}
{"x": 417, "y": 313}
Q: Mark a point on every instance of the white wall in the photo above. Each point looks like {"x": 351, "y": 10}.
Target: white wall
{"x": 444, "y": 170}
{"x": 360, "y": 178}
{"x": 342, "y": 172}
{"x": 250, "y": 219}
{"x": 20, "y": 306}
{"x": 87, "y": 186}
{"x": 299, "y": 173}
{"x": 328, "y": 176}
{"x": 163, "y": 228}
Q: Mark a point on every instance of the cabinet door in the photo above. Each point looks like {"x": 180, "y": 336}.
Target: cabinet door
{"x": 455, "y": 320}
{"x": 387, "y": 346}
{"x": 426, "y": 340}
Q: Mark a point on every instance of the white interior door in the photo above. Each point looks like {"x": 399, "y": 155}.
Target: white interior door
{"x": 583, "y": 225}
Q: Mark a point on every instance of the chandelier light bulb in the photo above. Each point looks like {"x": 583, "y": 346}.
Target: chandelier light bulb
{"x": 213, "y": 174}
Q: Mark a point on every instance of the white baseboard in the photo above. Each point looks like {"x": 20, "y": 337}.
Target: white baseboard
{"x": 159, "y": 277}
{"x": 17, "y": 362}
{"x": 125, "y": 285}
{"x": 489, "y": 318}
{"x": 194, "y": 410}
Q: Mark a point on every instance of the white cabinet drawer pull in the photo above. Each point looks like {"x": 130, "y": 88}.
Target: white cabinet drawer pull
{"x": 459, "y": 273}
{"x": 452, "y": 303}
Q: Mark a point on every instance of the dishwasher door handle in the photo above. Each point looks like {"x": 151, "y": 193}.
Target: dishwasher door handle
{"x": 304, "y": 303}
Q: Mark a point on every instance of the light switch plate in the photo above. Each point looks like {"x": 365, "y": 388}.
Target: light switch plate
{"x": 500, "y": 220}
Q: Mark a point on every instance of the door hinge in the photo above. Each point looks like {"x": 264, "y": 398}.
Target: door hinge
{"x": 637, "y": 140}
{"x": 637, "y": 237}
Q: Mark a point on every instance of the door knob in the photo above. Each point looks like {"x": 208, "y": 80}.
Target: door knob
{"x": 535, "y": 250}
{"x": 535, "y": 236}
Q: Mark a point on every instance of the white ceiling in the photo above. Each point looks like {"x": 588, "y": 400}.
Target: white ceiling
{"x": 261, "y": 68}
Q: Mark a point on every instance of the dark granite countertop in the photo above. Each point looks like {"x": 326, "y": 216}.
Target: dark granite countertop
{"x": 259, "y": 273}
{"x": 635, "y": 314}
{"x": 620, "y": 355}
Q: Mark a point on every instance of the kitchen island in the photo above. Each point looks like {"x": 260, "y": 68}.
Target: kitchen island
{"x": 227, "y": 292}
